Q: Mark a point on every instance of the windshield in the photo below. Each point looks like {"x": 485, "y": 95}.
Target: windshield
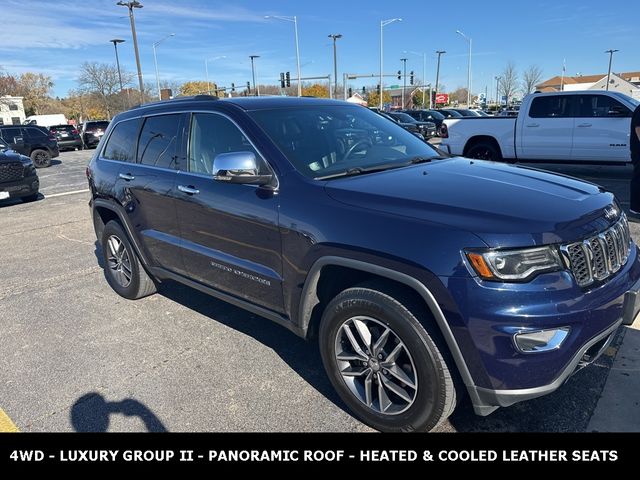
{"x": 450, "y": 114}
{"x": 327, "y": 140}
{"x": 403, "y": 117}
{"x": 436, "y": 115}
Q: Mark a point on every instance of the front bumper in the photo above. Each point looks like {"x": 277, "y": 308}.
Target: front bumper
{"x": 21, "y": 188}
{"x": 489, "y": 312}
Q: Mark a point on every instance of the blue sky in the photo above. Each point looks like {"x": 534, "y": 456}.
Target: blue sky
{"x": 56, "y": 37}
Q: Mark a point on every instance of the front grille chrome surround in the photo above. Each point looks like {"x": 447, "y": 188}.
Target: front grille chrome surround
{"x": 597, "y": 258}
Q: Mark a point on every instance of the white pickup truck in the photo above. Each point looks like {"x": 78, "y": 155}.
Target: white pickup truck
{"x": 581, "y": 126}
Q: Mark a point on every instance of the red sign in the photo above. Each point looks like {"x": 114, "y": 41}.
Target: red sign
{"x": 442, "y": 98}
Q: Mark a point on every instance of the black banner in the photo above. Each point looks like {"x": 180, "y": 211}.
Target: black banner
{"x": 309, "y": 450}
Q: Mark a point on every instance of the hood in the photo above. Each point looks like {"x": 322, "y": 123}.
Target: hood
{"x": 505, "y": 205}
{"x": 7, "y": 156}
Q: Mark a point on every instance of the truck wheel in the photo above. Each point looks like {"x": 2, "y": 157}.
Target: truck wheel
{"x": 123, "y": 270}
{"x": 383, "y": 363}
{"x": 41, "y": 158}
{"x": 484, "y": 151}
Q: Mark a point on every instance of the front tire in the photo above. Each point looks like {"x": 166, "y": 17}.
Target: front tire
{"x": 123, "y": 270}
{"x": 41, "y": 158}
{"x": 384, "y": 364}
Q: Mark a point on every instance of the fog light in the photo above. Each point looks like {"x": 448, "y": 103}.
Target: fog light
{"x": 540, "y": 340}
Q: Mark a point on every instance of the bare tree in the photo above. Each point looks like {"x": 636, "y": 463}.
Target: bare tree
{"x": 509, "y": 81}
{"x": 101, "y": 79}
{"x": 530, "y": 78}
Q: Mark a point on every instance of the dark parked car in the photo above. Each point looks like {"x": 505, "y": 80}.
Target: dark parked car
{"x": 450, "y": 113}
{"x": 92, "y": 132}
{"x": 36, "y": 142}
{"x": 427, "y": 116}
{"x": 421, "y": 277}
{"x": 67, "y": 136}
{"x": 18, "y": 177}
{"x": 426, "y": 129}
{"x": 411, "y": 126}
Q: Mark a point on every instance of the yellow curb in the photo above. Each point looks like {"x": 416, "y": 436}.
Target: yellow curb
{"x": 6, "y": 425}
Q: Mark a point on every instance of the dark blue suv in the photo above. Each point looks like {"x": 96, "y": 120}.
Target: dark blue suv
{"x": 421, "y": 276}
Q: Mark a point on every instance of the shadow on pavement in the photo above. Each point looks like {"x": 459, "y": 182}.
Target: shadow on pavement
{"x": 91, "y": 413}
{"x": 303, "y": 357}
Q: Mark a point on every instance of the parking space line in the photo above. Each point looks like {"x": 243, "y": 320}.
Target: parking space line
{"x": 6, "y": 425}
{"x": 66, "y": 193}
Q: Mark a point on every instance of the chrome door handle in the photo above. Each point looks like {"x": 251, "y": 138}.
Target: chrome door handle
{"x": 126, "y": 176}
{"x": 188, "y": 190}
{"x": 533, "y": 125}
{"x": 584, "y": 125}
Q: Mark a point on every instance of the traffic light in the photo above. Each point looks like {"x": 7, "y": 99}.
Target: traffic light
{"x": 378, "y": 88}
{"x": 288, "y": 79}
{"x": 248, "y": 87}
{"x": 233, "y": 87}
{"x": 399, "y": 74}
{"x": 364, "y": 90}
{"x": 411, "y": 78}
{"x": 281, "y": 79}
{"x": 350, "y": 92}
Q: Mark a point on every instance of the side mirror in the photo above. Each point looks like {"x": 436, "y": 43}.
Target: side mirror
{"x": 238, "y": 167}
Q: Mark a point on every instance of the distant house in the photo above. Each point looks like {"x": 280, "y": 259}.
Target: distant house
{"x": 627, "y": 83}
{"x": 11, "y": 111}
{"x": 396, "y": 97}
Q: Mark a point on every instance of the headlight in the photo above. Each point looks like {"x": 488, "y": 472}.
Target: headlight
{"x": 515, "y": 265}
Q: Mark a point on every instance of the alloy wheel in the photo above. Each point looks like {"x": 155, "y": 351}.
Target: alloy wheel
{"x": 119, "y": 261}
{"x": 376, "y": 365}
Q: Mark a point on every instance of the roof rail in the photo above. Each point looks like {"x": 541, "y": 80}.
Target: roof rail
{"x": 177, "y": 99}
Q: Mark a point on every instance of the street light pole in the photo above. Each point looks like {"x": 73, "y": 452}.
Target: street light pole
{"x": 497, "y": 89}
{"x": 131, "y": 5}
{"x": 439, "y": 53}
{"x": 383, "y": 23}
{"x": 610, "y": 52}
{"x": 293, "y": 19}
{"x": 115, "y": 42}
{"x": 253, "y": 73}
{"x": 469, "y": 41}
{"x": 155, "y": 61}
{"x": 404, "y": 79}
{"x": 335, "y": 62}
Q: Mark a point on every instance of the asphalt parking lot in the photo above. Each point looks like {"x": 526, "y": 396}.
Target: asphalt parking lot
{"x": 77, "y": 357}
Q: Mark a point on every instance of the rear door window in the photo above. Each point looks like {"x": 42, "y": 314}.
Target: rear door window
{"x": 553, "y": 106}
{"x": 159, "y": 141}
{"x": 593, "y": 106}
{"x": 121, "y": 145}
{"x": 8, "y": 134}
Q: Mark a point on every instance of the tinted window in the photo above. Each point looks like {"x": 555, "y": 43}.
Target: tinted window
{"x": 212, "y": 135}
{"x": 599, "y": 106}
{"x": 35, "y": 133}
{"x": 433, "y": 116}
{"x": 554, "y": 106}
{"x": 325, "y": 140}
{"x": 61, "y": 128}
{"x": 122, "y": 142}
{"x": 158, "y": 140}
{"x": 96, "y": 125}
{"x": 403, "y": 117}
{"x": 9, "y": 133}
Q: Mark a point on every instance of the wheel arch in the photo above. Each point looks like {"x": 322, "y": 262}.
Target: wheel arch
{"x": 311, "y": 298}
{"x": 476, "y": 139}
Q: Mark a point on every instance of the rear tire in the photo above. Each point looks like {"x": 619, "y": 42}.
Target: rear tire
{"x": 409, "y": 390}
{"x": 123, "y": 270}
{"x": 41, "y": 158}
{"x": 484, "y": 151}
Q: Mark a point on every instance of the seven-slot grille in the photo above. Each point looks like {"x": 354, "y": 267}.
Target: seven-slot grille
{"x": 10, "y": 172}
{"x": 597, "y": 258}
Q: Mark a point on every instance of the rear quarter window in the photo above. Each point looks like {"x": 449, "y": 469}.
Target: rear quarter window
{"x": 122, "y": 142}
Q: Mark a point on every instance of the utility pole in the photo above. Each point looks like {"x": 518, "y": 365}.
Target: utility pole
{"x": 439, "y": 53}
{"x": 497, "y": 89}
{"x": 383, "y": 23}
{"x": 404, "y": 79}
{"x": 610, "y": 52}
{"x": 335, "y": 62}
{"x": 253, "y": 73}
{"x": 131, "y": 5}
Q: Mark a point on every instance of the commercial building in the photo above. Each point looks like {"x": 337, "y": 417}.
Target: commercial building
{"x": 627, "y": 83}
{"x": 11, "y": 111}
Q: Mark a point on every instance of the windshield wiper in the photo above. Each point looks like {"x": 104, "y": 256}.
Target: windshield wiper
{"x": 377, "y": 168}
